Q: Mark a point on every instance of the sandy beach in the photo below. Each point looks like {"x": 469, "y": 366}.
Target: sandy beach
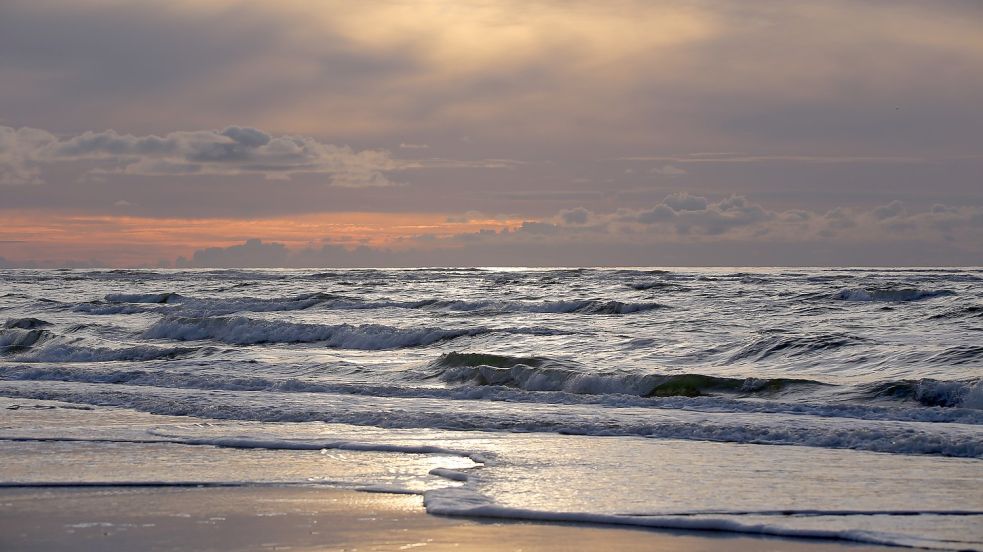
{"x": 297, "y": 518}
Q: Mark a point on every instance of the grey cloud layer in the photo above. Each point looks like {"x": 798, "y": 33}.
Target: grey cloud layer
{"x": 687, "y": 218}
{"x": 232, "y": 151}
{"x": 856, "y": 78}
{"x": 803, "y": 106}
{"x": 689, "y": 230}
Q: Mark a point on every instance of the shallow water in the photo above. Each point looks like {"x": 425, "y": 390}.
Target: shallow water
{"x": 829, "y": 402}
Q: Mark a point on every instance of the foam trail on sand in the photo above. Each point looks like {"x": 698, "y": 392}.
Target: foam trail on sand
{"x": 462, "y": 501}
{"x": 159, "y": 436}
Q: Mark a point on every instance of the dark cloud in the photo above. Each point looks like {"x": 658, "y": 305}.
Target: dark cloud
{"x": 893, "y": 209}
{"x": 176, "y": 64}
{"x": 659, "y": 213}
{"x": 688, "y": 213}
{"x": 232, "y": 151}
{"x": 252, "y": 253}
{"x": 575, "y": 216}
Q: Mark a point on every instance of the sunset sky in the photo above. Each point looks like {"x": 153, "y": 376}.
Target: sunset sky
{"x": 388, "y": 133}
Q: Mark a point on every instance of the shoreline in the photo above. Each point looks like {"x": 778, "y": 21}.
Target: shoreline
{"x": 307, "y": 518}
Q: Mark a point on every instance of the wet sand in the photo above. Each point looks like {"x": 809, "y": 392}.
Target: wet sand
{"x": 302, "y": 518}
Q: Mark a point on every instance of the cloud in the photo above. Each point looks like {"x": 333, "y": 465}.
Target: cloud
{"x": 681, "y": 201}
{"x": 688, "y": 213}
{"x": 680, "y": 230}
{"x": 575, "y": 216}
{"x": 18, "y": 152}
{"x": 230, "y": 152}
{"x": 537, "y": 228}
{"x": 668, "y": 170}
{"x": 233, "y": 150}
{"x": 659, "y": 213}
{"x": 731, "y": 158}
{"x": 252, "y": 253}
{"x": 893, "y": 209}
{"x": 522, "y": 81}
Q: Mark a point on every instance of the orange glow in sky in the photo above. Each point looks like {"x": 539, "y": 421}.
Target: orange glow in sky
{"x": 136, "y": 241}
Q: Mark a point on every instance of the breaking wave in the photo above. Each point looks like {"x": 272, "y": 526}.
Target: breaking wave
{"x": 889, "y": 294}
{"x": 890, "y": 437}
{"x": 865, "y": 402}
{"x": 16, "y": 340}
{"x": 67, "y": 352}
{"x": 218, "y": 307}
{"x": 544, "y": 374}
{"x": 25, "y": 323}
{"x": 36, "y": 345}
{"x": 929, "y": 392}
{"x": 540, "y": 374}
{"x": 238, "y": 330}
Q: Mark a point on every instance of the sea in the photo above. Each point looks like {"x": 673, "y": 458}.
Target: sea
{"x": 832, "y": 403}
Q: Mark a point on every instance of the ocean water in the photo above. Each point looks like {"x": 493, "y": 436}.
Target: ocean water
{"x": 833, "y": 403}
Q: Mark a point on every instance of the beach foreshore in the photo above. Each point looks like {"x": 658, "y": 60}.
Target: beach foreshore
{"x": 304, "y": 518}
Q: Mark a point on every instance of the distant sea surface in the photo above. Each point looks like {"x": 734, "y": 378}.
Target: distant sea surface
{"x": 835, "y": 403}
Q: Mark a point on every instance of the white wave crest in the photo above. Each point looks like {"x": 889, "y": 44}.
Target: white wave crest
{"x": 66, "y": 352}
{"x": 14, "y": 339}
{"x": 245, "y": 331}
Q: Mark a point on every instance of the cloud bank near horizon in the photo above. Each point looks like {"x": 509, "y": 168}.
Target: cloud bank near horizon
{"x": 682, "y": 229}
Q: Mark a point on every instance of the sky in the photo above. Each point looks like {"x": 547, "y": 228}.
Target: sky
{"x": 222, "y": 133}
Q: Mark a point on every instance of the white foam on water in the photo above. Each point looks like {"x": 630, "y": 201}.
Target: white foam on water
{"x": 614, "y": 393}
{"x": 581, "y": 419}
{"x": 246, "y": 331}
